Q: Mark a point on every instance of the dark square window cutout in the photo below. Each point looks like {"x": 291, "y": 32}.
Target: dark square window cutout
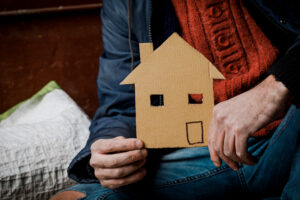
{"x": 157, "y": 99}
{"x": 195, "y": 98}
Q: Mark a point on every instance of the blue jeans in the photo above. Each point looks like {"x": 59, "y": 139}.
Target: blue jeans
{"x": 189, "y": 173}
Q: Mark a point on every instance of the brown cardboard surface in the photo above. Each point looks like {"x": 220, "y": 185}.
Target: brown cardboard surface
{"x": 173, "y": 70}
{"x": 146, "y": 49}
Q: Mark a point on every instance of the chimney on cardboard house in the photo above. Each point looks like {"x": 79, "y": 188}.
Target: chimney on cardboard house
{"x": 146, "y": 49}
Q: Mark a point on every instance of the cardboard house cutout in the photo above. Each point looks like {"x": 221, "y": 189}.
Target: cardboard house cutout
{"x": 164, "y": 82}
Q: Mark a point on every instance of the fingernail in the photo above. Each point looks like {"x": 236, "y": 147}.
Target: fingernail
{"x": 139, "y": 144}
{"x": 144, "y": 152}
{"x": 217, "y": 164}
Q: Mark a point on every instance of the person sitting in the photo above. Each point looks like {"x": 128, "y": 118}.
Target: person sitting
{"x": 253, "y": 140}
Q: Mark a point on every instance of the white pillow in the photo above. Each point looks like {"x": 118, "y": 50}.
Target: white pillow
{"x": 37, "y": 143}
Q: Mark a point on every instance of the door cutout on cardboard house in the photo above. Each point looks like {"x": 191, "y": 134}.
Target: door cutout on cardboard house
{"x": 194, "y": 132}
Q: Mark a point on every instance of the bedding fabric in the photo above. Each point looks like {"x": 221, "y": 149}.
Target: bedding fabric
{"x": 37, "y": 142}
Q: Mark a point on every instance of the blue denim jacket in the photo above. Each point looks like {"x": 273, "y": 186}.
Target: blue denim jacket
{"x": 125, "y": 24}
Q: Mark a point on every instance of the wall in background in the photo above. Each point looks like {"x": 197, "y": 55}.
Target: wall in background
{"x": 6, "y": 5}
{"x": 60, "y": 46}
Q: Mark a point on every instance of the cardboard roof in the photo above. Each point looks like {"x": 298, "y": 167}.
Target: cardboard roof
{"x": 173, "y": 47}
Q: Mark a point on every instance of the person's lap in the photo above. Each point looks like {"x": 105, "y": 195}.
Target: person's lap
{"x": 270, "y": 175}
{"x": 190, "y": 174}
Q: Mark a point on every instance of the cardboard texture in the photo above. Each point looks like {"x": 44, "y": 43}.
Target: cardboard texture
{"x": 169, "y": 74}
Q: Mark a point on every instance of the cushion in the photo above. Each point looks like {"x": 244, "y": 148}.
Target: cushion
{"x": 37, "y": 142}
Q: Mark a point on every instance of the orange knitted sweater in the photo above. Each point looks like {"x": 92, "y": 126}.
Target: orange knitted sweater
{"x": 226, "y": 34}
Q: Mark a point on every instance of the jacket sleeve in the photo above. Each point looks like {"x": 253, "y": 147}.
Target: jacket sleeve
{"x": 116, "y": 113}
{"x": 287, "y": 70}
{"x": 280, "y": 22}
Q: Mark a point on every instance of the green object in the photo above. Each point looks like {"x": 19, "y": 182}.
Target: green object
{"x": 52, "y": 85}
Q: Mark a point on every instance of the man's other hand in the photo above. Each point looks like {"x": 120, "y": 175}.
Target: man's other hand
{"x": 118, "y": 161}
{"x": 236, "y": 119}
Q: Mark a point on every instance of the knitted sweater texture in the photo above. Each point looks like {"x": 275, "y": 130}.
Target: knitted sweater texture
{"x": 224, "y": 32}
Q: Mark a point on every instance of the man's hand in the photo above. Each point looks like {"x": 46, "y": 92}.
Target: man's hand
{"x": 119, "y": 161}
{"x": 236, "y": 119}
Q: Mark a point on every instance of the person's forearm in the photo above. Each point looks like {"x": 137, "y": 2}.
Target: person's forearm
{"x": 275, "y": 96}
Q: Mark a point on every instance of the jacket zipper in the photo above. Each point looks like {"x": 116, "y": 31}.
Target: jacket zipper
{"x": 149, "y": 22}
{"x": 129, "y": 35}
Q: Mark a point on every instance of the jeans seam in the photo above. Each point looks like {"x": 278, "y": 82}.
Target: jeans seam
{"x": 193, "y": 178}
{"x": 105, "y": 195}
{"x": 283, "y": 127}
{"x": 242, "y": 179}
